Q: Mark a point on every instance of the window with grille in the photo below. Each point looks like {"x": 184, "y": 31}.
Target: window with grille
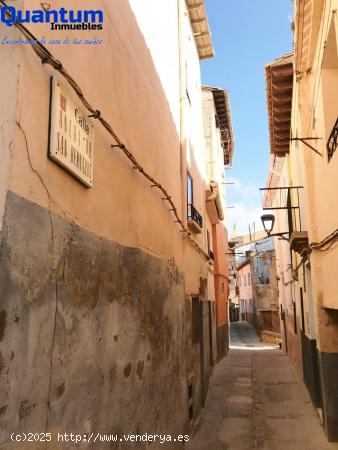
{"x": 333, "y": 141}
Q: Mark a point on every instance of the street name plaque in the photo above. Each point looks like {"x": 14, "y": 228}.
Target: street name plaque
{"x": 71, "y": 135}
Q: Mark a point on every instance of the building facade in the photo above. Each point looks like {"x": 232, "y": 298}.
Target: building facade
{"x": 280, "y": 195}
{"x": 257, "y": 285}
{"x": 107, "y": 310}
{"x": 303, "y": 174}
{"x": 265, "y": 292}
{"x": 246, "y": 302}
{"x": 233, "y": 288}
{"x": 219, "y": 144}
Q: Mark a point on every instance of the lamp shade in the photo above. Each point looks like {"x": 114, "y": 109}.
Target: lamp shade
{"x": 268, "y": 221}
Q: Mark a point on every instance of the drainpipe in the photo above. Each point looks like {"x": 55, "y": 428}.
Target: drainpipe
{"x": 219, "y": 207}
{"x": 183, "y": 99}
{"x": 215, "y": 197}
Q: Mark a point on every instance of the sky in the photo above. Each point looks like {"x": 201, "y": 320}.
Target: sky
{"x": 247, "y": 35}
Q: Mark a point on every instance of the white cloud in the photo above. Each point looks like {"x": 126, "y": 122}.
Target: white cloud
{"x": 245, "y": 198}
{"x": 245, "y": 189}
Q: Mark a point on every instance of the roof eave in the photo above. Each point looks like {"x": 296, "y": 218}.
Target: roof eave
{"x": 223, "y": 113}
{"x": 200, "y": 27}
{"x": 243, "y": 264}
{"x": 279, "y": 88}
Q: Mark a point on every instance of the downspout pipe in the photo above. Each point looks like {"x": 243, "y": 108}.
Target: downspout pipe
{"x": 182, "y": 90}
{"x": 215, "y": 197}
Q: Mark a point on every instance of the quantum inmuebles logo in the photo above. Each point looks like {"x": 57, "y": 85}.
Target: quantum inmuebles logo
{"x": 60, "y": 19}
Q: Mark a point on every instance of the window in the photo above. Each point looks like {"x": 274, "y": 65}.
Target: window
{"x": 190, "y": 192}
{"x": 187, "y": 83}
{"x": 295, "y": 318}
{"x": 192, "y": 213}
{"x": 302, "y": 308}
{"x": 196, "y": 320}
{"x": 190, "y": 401}
{"x": 332, "y": 143}
{"x": 329, "y": 75}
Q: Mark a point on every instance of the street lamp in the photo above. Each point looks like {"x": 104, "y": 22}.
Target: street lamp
{"x": 268, "y": 221}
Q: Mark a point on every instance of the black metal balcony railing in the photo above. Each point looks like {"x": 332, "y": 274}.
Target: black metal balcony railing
{"x": 332, "y": 143}
{"x": 194, "y": 215}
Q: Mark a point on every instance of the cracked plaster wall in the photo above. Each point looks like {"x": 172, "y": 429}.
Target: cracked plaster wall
{"x": 91, "y": 332}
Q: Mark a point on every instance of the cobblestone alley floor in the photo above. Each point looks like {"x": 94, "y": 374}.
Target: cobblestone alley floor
{"x": 257, "y": 401}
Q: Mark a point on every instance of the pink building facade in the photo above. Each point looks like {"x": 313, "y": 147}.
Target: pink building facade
{"x": 244, "y": 282}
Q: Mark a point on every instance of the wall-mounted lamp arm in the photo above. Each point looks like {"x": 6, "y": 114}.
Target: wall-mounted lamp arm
{"x": 303, "y": 140}
{"x": 280, "y": 235}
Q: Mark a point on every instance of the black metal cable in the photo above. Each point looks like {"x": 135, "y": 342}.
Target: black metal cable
{"x": 326, "y": 243}
{"x": 322, "y": 246}
{"x": 47, "y": 57}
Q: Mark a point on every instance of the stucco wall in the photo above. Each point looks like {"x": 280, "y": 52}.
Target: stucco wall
{"x": 321, "y": 174}
{"x": 245, "y": 289}
{"x": 214, "y": 172}
{"x": 129, "y": 70}
{"x": 9, "y": 58}
{"x": 214, "y": 150}
{"x": 317, "y": 102}
{"x": 288, "y": 287}
{"x": 96, "y": 281}
{"x": 122, "y": 88}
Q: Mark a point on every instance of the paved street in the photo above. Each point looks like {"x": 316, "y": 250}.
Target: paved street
{"x": 257, "y": 401}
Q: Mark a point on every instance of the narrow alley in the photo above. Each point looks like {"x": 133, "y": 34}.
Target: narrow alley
{"x": 257, "y": 401}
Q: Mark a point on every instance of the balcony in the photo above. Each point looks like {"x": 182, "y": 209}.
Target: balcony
{"x": 213, "y": 203}
{"x": 332, "y": 143}
{"x": 299, "y": 241}
{"x": 195, "y": 221}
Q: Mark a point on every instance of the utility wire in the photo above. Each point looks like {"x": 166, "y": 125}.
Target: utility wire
{"x": 47, "y": 57}
{"x": 322, "y": 246}
{"x": 326, "y": 243}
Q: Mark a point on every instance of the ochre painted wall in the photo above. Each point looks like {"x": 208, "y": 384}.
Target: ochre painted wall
{"x": 220, "y": 240}
{"x": 96, "y": 281}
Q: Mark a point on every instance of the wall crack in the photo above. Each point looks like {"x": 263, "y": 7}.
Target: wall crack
{"x": 40, "y": 178}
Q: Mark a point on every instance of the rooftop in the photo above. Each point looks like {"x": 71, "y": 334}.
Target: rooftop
{"x": 279, "y": 86}
{"x": 200, "y": 26}
{"x": 223, "y": 115}
{"x": 274, "y": 176}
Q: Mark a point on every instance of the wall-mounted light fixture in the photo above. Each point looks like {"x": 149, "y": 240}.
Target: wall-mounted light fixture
{"x": 268, "y": 221}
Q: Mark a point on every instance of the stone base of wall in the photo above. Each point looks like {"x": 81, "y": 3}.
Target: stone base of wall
{"x": 268, "y": 320}
{"x": 222, "y": 341}
{"x": 270, "y": 337}
{"x": 311, "y": 369}
{"x": 91, "y": 332}
{"x": 328, "y": 367}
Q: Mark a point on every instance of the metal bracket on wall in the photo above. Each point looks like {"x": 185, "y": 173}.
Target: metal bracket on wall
{"x": 303, "y": 140}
